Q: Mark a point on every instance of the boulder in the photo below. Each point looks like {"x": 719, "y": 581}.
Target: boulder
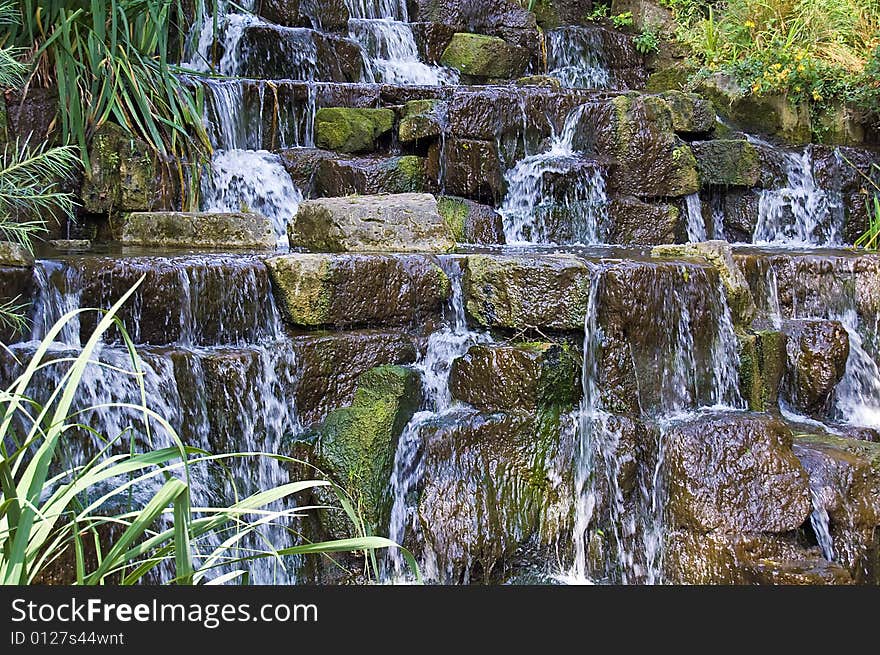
{"x": 691, "y": 113}
{"x": 351, "y": 130}
{"x": 486, "y": 57}
{"x": 740, "y": 211}
{"x": 356, "y": 444}
{"x": 817, "y": 353}
{"x": 124, "y": 175}
{"x": 270, "y": 52}
{"x": 632, "y": 221}
{"x": 845, "y": 482}
{"x": 727, "y": 162}
{"x": 471, "y": 222}
{"x": 468, "y": 168}
{"x": 713, "y": 559}
{"x": 420, "y": 120}
{"x": 527, "y": 291}
{"x": 483, "y": 492}
{"x": 32, "y": 115}
{"x": 652, "y": 162}
{"x": 775, "y": 115}
{"x": 14, "y": 255}
{"x": 323, "y": 15}
{"x": 405, "y": 222}
{"x": 316, "y": 290}
{"x": 734, "y": 473}
{"x": 320, "y": 173}
{"x": 719, "y": 255}
{"x": 432, "y": 39}
{"x": 554, "y": 13}
{"x": 521, "y": 377}
{"x": 762, "y": 362}
{"x": 838, "y": 124}
{"x": 330, "y": 364}
{"x": 238, "y": 230}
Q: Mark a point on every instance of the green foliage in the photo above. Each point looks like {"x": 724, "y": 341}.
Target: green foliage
{"x": 648, "y": 41}
{"x": 818, "y": 50}
{"x": 624, "y": 19}
{"x": 47, "y": 514}
{"x": 870, "y": 240}
{"x": 115, "y": 60}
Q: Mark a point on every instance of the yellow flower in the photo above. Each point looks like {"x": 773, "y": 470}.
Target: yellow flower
{"x": 797, "y": 89}
{"x": 801, "y": 68}
{"x": 799, "y": 55}
{"x": 756, "y": 87}
{"x": 777, "y": 66}
{"x": 816, "y": 95}
{"x": 749, "y": 24}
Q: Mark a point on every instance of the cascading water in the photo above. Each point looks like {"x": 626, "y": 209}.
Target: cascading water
{"x": 555, "y": 196}
{"x": 696, "y": 226}
{"x": 444, "y": 346}
{"x": 386, "y": 38}
{"x": 223, "y": 377}
{"x": 576, "y": 58}
{"x": 633, "y": 528}
{"x": 800, "y": 213}
{"x": 251, "y": 180}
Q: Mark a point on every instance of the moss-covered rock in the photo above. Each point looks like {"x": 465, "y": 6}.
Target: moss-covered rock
{"x": 727, "y": 162}
{"x": 357, "y": 290}
{"x": 471, "y": 222}
{"x": 420, "y": 121}
{"x": 478, "y": 55}
{"x": 720, "y": 256}
{"x": 239, "y": 230}
{"x": 549, "y": 292}
{"x": 124, "y": 175}
{"x": 632, "y": 221}
{"x": 838, "y": 125}
{"x": 356, "y": 444}
{"x": 762, "y": 361}
{"x": 12, "y": 254}
{"x": 691, "y": 113}
{"x": 345, "y": 129}
{"x": 521, "y": 377}
{"x": 670, "y": 78}
{"x": 405, "y": 222}
{"x": 652, "y": 161}
{"x": 554, "y": 13}
{"x": 775, "y": 115}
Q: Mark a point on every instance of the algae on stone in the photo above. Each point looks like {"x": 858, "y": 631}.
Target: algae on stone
{"x": 346, "y": 129}
{"x": 478, "y": 55}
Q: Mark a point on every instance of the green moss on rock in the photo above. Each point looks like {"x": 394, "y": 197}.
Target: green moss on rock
{"x": 356, "y": 444}
{"x": 727, "y": 162}
{"x": 762, "y": 359}
{"x": 478, "y": 55}
{"x": 346, "y": 129}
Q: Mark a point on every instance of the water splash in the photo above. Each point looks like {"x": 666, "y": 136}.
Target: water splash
{"x": 235, "y": 393}
{"x": 800, "y": 213}
{"x": 386, "y": 38}
{"x": 555, "y": 194}
{"x": 576, "y": 58}
{"x": 251, "y": 180}
{"x": 445, "y": 345}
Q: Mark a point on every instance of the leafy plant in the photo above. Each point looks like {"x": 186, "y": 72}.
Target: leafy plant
{"x": 648, "y": 41}
{"x": 115, "y": 60}
{"x": 624, "y": 19}
{"x": 870, "y": 240}
{"x": 46, "y": 513}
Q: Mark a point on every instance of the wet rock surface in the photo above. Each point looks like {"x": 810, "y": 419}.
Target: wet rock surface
{"x": 407, "y": 222}
{"x": 817, "y": 353}
{"x": 316, "y": 290}
{"x": 735, "y": 473}
{"x": 243, "y": 230}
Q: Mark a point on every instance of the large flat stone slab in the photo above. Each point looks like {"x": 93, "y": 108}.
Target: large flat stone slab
{"x": 404, "y": 222}
{"x": 239, "y": 230}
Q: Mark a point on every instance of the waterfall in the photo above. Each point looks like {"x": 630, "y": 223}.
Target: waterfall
{"x": 224, "y": 377}
{"x": 696, "y": 226}
{"x": 800, "y": 213}
{"x": 576, "y": 58}
{"x": 445, "y": 345}
{"x": 391, "y": 56}
{"x": 633, "y": 528}
{"x": 251, "y": 180}
{"x": 555, "y": 194}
